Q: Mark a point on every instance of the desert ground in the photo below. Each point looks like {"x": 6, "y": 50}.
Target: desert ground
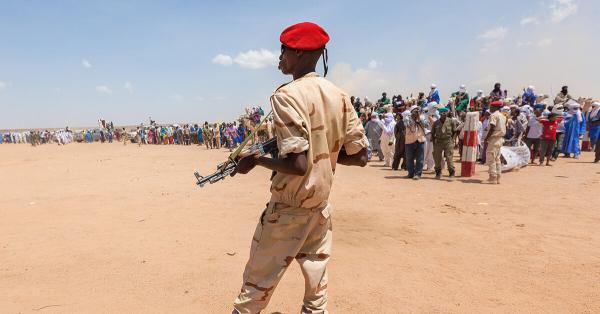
{"x": 107, "y": 228}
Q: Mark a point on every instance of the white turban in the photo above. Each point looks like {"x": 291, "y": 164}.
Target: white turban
{"x": 463, "y": 88}
{"x": 433, "y": 86}
{"x": 558, "y": 109}
{"x": 413, "y": 108}
{"x": 595, "y": 109}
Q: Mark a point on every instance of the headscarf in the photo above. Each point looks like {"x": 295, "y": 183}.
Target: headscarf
{"x": 388, "y": 123}
{"x": 526, "y": 110}
{"x": 595, "y": 109}
{"x": 558, "y": 110}
{"x": 479, "y": 93}
{"x": 463, "y": 89}
{"x": 575, "y": 109}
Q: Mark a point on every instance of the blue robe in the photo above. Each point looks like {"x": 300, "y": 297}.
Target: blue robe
{"x": 573, "y": 130}
{"x": 435, "y": 96}
{"x": 529, "y": 98}
{"x": 594, "y": 129}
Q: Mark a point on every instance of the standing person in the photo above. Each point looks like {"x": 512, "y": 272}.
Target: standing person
{"x": 139, "y": 136}
{"x": 207, "y": 135}
{"x": 494, "y": 140}
{"x": 442, "y": 134}
{"x": 296, "y": 223}
{"x": 534, "y": 132}
{"x": 519, "y": 126}
{"x": 387, "y": 139}
{"x": 548, "y": 138}
{"x": 399, "y": 135}
{"x": 217, "y": 135}
{"x": 497, "y": 93}
{"x": 186, "y": 135}
{"x": 432, "y": 115}
{"x": 373, "y": 129}
{"x": 125, "y": 137}
{"x": 574, "y": 129}
{"x": 415, "y": 143}
{"x": 594, "y": 121}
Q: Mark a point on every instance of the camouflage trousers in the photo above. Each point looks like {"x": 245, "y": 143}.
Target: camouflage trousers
{"x": 492, "y": 156}
{"x": 283, "y": 234}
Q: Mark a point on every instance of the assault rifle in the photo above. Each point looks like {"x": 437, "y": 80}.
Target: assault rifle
{"x": 226, "y": 168}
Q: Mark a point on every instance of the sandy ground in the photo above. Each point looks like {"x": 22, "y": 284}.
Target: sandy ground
{"x": 103, "y": 228}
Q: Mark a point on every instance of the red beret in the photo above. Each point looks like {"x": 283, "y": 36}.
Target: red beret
{"x": 497, "y": 103}
{"x": 304, "y": 36}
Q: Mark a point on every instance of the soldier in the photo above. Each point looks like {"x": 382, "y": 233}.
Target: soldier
{"x": 441, "y": 133}
{"x": 313, "y": 121}
{"x": 494, "y": 141}
{"x": 125, "y": 136}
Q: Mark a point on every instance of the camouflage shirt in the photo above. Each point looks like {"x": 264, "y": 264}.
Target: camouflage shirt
{"x": 314, "y": 116}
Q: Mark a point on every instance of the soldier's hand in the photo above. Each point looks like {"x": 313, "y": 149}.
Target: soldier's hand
{"x": 246, "y": 162}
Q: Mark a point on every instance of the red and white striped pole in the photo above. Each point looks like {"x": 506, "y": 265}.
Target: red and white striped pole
{"x": 585, "y": 143}
{"x": 469, "y": 153}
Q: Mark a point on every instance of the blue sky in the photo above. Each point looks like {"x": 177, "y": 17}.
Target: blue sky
{"x": 71, "y": 62}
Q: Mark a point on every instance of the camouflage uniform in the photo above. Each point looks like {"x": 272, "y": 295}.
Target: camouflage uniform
{"x": 444, "y": 144}
{"x": 296, "y": 223}
{"x": 494, "y": 144}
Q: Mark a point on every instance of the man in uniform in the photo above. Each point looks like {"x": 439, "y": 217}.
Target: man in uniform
{"x": 563, "y": 96}
{"x": 313, "y": 121}
{"x": 494, "y": 141}
{"x": 441, "y": 133}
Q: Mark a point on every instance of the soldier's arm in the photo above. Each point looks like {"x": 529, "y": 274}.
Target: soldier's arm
{"x": 359, "y": 159}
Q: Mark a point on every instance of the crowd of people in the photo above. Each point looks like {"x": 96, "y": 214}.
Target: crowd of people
{"x": 423, "y": 132}
{"x": 417, "y": 134}
{"x": 212, "y": 135}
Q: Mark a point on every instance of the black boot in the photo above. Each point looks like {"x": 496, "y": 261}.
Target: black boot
{"x": 451, "y": 173}
{"x": 438, "y": 174}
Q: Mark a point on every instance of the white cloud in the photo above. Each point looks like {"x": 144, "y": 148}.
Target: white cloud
{"x": 86, "y": 64}
{"x": 544, "y": 42}
{"x": 561, "y": 9}
{"x": 493, "y": 37}
{"x": 222, "y": 59}
{"x": 524, "y": 44}
{"x": 103, "y": 89}
{"x": 128, "y": 87}
{"x": 199, "y": 98}
{"x": 529, "y": 20}
{"x": 177, "y": 97}
{"x": 257, "y": 59}
{"x": 3, "y": 86}
{"x": 251, "y": 59}
{"x": 374, "y": 64}
{"x": 497, "y": 33}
